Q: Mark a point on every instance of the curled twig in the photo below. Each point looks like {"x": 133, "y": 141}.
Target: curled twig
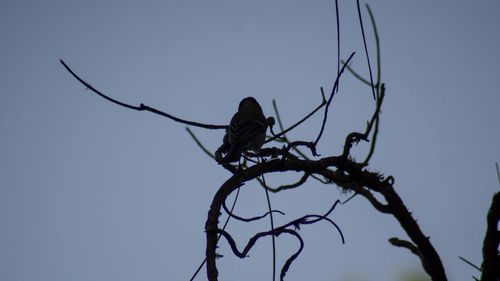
{"x": 234, "y": 182}
{"x": 350, "y": 140}
{"x": 307, "y": 219}
{"x": 289, "y": 261}
{"x": 253, "y": 240}
{"x": 249, "y": 219}
{"x": 355, "y": 137}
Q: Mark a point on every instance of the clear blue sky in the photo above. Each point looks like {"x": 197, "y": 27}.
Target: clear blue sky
{"x": 91, "y": 191}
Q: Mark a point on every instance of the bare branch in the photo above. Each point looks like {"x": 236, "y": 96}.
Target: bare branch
{"x": 296, "y": 124}
{"x": 355, "y": 137}
{"x": 469, "y": 263}
{"x": 141, "y": 107}
{"x": 375, "y": 118}
{"x": 199, "y": 143}
{"x": 335, "y": 87}
{"x": 230, "y": 213}
{"x": 254, "y": 239}
{"x": 357, "y": 75}
{"x": 377, "y": 44}
{"x": 234, "y": 182}
{"x": 366, "y": 48}
{"x": 405, "y": 244}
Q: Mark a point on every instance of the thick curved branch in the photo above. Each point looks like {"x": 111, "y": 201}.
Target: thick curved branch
{"x": 237, "y": 180}
{"x": 141, "y": 107}
{"x": 429, "y": 257}
{"x": 353, "y": 173}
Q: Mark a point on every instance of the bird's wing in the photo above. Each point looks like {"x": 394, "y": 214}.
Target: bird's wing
{"x": 245, "y": 130}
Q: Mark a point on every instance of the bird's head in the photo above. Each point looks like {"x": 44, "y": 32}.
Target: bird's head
{"x": 249, "y": 103}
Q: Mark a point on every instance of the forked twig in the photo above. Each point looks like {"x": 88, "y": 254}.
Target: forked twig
{"x": 335, "y": 87}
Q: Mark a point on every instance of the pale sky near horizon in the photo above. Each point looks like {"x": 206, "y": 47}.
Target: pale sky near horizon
{"x": 92, "y": 191}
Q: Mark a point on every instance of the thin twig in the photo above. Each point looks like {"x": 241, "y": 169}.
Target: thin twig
{"x": 498, "y": 172}
{"x": 349, "y": 199}
{"x": 491, "y": 258}
{"x": 338, "y": 36}
{"x": 141, "y": 107}
{"x": 335, "y": 86}
{"x": 273, "y": 237}
{"x": 256, "y": 237}
{"x": 469, "y": 263}
{"x": 304, "y": 220}
{"x": 284, "y": 137}
{"x": 366, "y": 48}
{"x": 375, "y": 118}
{"x": 377, "y": 43}
{"x": 357, "y": 75}
{"x": 199, "y": 143}
{"x": 296, "y": 124}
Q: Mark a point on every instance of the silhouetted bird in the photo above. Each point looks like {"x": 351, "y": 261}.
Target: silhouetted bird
{"x": 247, "y": 131}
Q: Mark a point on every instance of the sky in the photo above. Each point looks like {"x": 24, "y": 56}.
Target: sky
{"x": 93, "y": 191}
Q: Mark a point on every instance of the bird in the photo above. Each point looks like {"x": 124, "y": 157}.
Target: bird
{"x": 246, "y": 131}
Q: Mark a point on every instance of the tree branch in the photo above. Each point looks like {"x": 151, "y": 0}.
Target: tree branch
{"x": 405, "y": 244}
{"x": 211, "y": 226}
{"x": 141, "y": 107}
{"x": 366, "y": 49}
{"x": 249, "y": 219}
{"x": 334, "y": 89}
